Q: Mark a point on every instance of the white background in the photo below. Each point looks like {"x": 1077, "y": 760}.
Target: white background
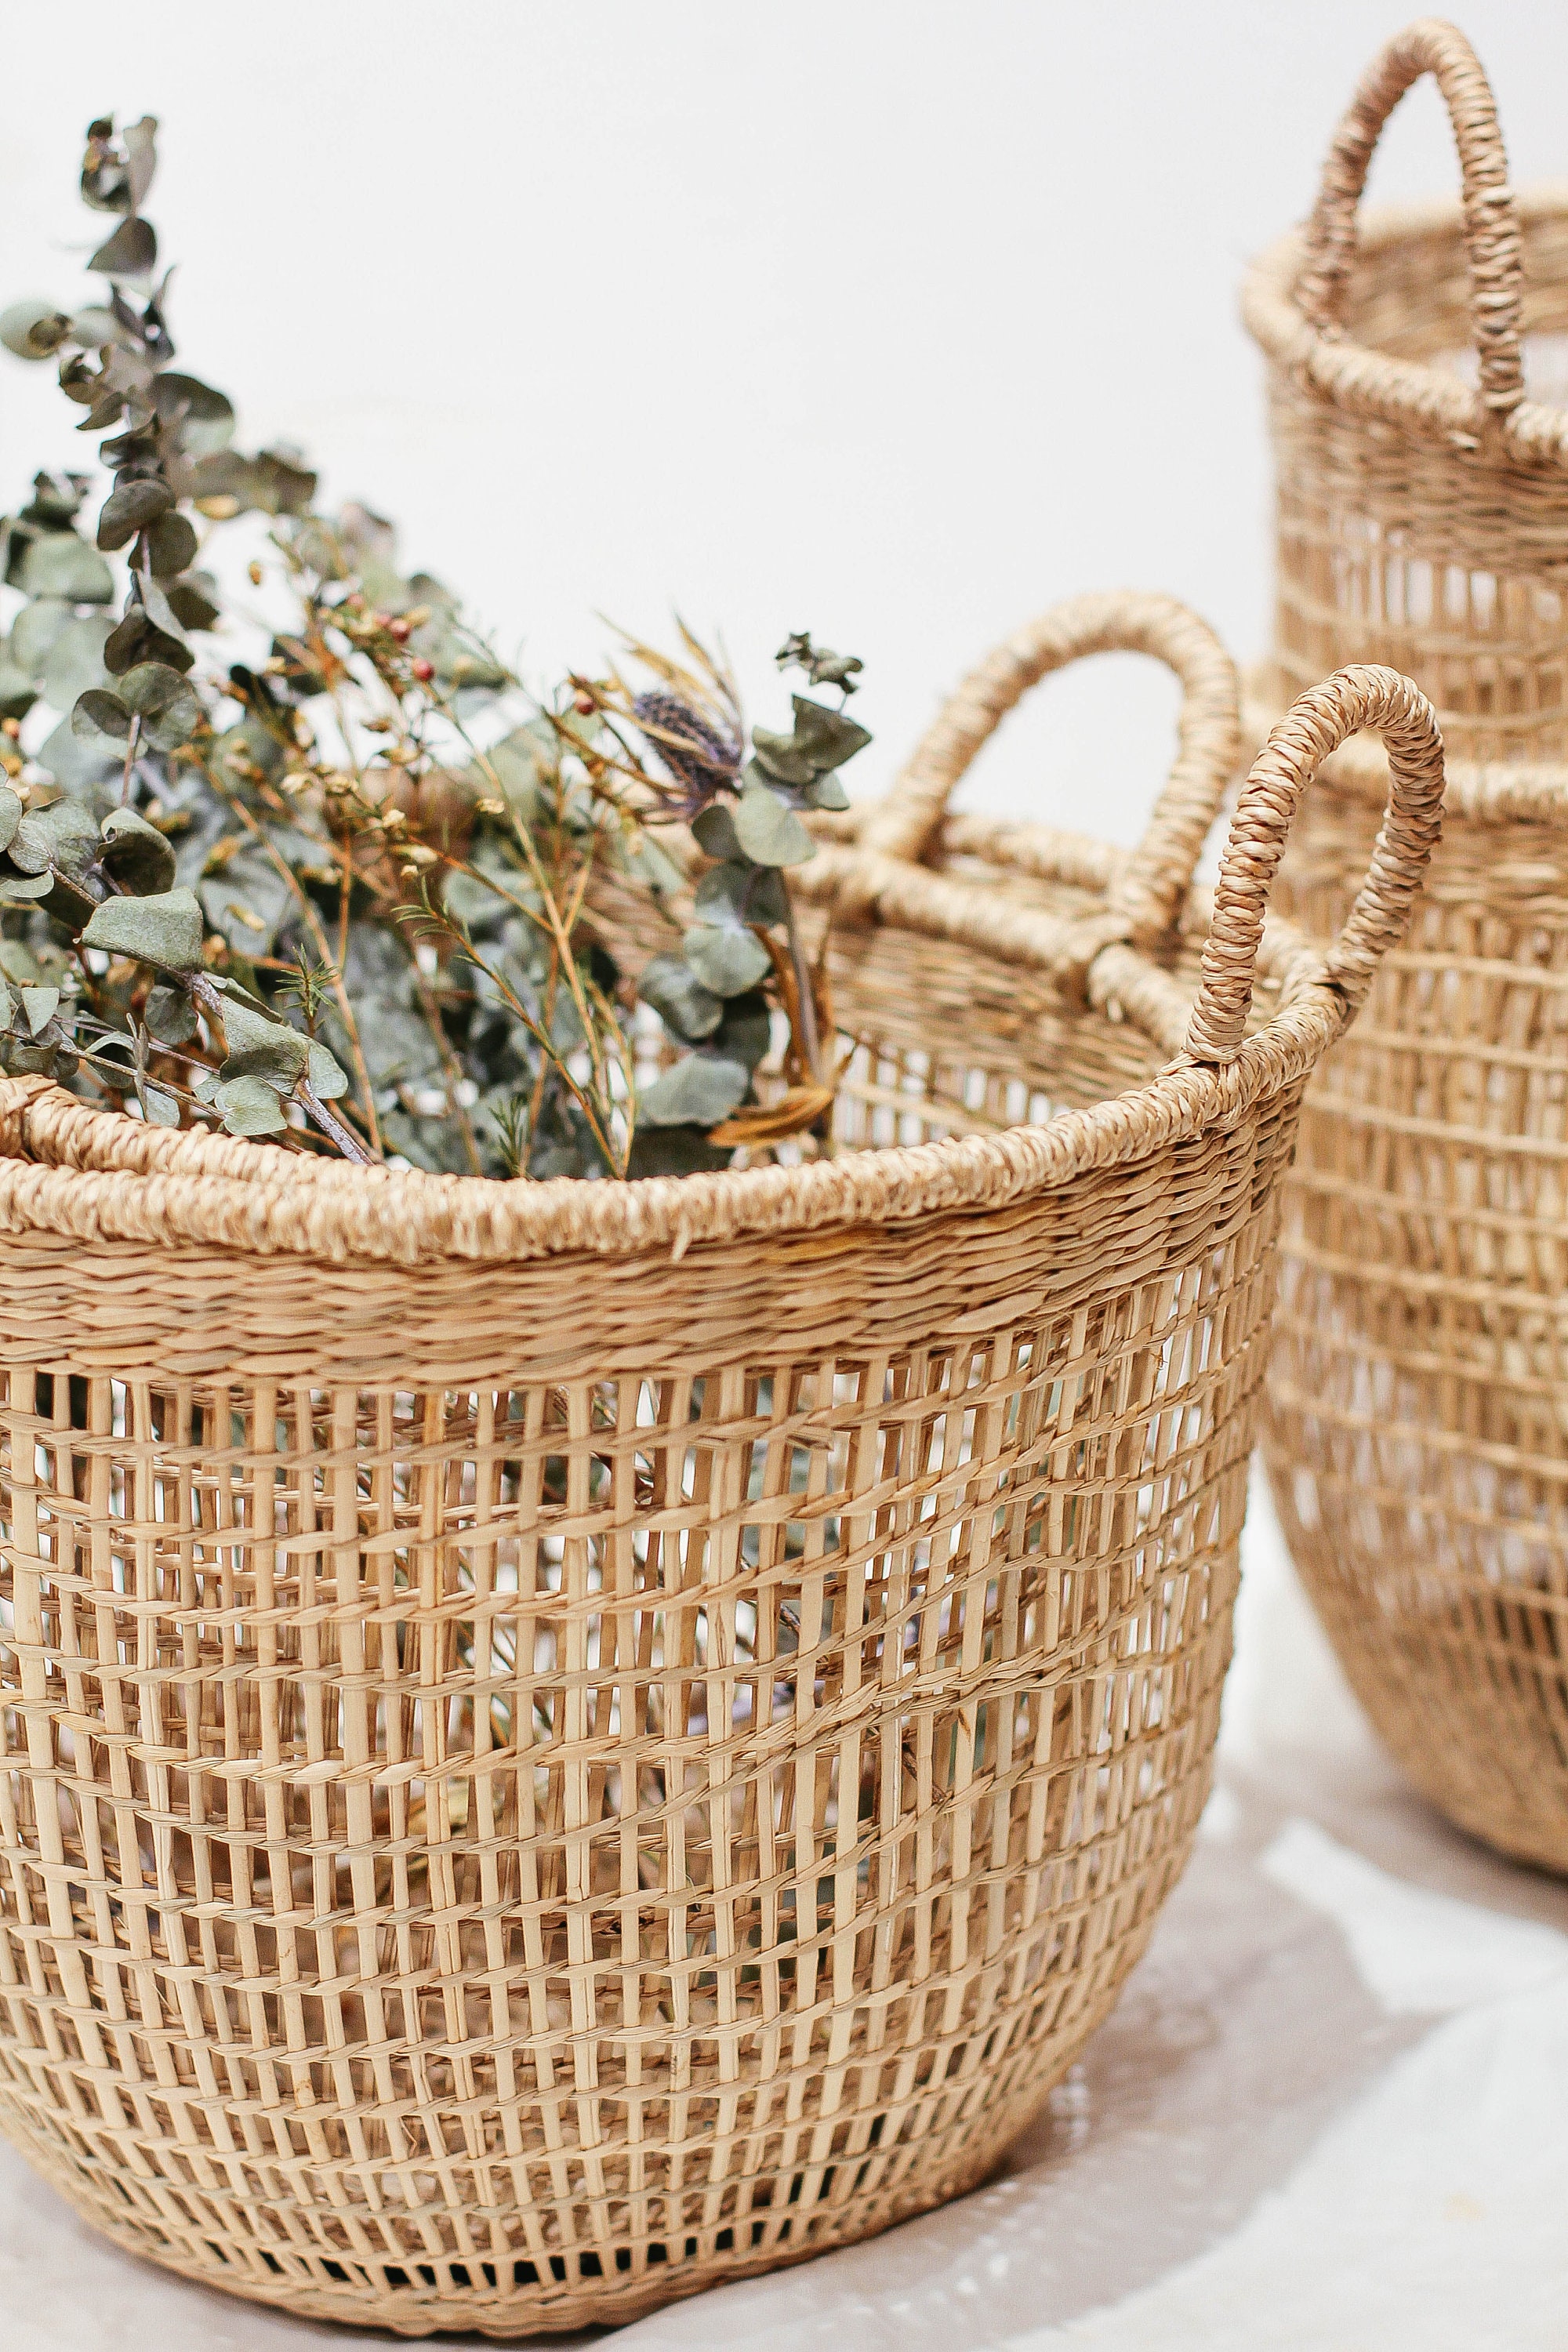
{"x": 893, "y": 320}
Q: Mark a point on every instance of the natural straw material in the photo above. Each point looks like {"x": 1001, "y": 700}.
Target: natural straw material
{"x": 1423, "y": 501}
{"x": 568, "y": 1742}
{"x": 1417, "y": 1432}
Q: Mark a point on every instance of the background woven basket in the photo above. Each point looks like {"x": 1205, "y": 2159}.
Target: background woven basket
{"x": 566, "y": 1742}
{"x": 1417, "y": 1426}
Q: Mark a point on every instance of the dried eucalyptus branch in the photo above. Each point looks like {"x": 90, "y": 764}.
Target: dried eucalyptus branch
{"x": 343, "y": 895}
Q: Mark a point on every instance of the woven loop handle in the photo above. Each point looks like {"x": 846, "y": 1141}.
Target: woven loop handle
{"x": 1315, "y": 725}
{"x": 1492, "y": 220}
{"x": 1155, "y": 879}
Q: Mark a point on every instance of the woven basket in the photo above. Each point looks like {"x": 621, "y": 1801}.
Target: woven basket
{"x": 1422, "y": 502}
{"x": 567, "y": 1742}
{"x": 1417, "y": 1428}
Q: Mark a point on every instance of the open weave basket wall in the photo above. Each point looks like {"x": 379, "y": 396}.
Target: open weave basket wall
{"x": 1417, "y": 1432}
{"x": 566, "y": 1742}
{"x": 1422, "y": 499}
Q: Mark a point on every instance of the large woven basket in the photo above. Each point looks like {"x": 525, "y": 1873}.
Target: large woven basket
{"x": 567, "y": 1742}
{"x": 1417, "y": 1428}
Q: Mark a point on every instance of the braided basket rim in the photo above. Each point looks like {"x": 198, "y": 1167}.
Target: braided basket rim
{"x": 98, "y": 1176}
{"x": 1408, "y": 394}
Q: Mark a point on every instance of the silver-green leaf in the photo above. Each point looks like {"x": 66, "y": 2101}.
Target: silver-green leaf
{"x": 727, "y": 962}
{"x": 137, "y": 854}
{"x": 250, "y": 1105}
{"x": 167, "y": 930}
{"x": 768, "y": 829}
{"x": 698, "y": 1092}
{"x": 58, "y": 563}
{"x": 679, "y": 998}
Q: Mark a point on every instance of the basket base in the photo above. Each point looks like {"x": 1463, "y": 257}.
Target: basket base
{"x": 552, "y": 2308}
{"x": 1468, "y": 1693}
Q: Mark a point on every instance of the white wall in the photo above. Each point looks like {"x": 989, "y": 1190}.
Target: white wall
{"x": 891, "y": 318}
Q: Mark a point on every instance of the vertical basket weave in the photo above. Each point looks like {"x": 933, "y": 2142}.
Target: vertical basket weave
{"x": 1417, "y": 1428}
{"x": 567, "y": 1742}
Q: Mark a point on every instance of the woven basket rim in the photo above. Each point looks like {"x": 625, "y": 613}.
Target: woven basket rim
{"x": 97, "y": 1176}
{"x": 1371, "y": 382}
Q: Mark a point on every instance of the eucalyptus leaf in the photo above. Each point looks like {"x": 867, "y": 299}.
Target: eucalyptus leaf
{"x": 327, "y": 1079}
{"x": 129, "y": 509}
{"x": 34, "y": 632}
{"x": 193, "y": 599}
{"x": 98, "y": 714}
{"x": 10, "y": 816}
{"x": 826, "y": 737}
{"x": 727, "y": 962}
{"x": 685, "y": 1007}
{"x": 18, "y": 692}
{"x": 60, "y": 839}
{"x": 203, "y": 416}
{"x": 77, "y": 766}
{"x": 75, "y": 662}
{"x": 286, "y": 487}
{"x": 56, "y": 501}
{"x": 714, "y": 830}
{"x": 39, "y": 1007}
{"x": 131, "y": 252}
{"x": 139, "y": 638}
{"x": 140, "y": 143}
{"x": 282, "y": 1059}
{"x": 698, "y": 1092}
{"x": 60, "y": 564}
{"x": 140, "y": 859}
{"x": 738, "y": 894}
{"x": 248, "y": 1033}
{"x": 769, "y": 830}
{"x": 170, "y": 544}
{"x": 746, "y": 1031}
{"x": 166, "y": 930}
{"x": 168, "y": 705}
{"x": 16, "y": 889}
{"x": 20, "y": 965}
{"x": 170, "y": 1015}
{"x": 157, "y": 607}
{"x": 652, "y": 863}
{"x": 33, "y": 329}
{"x": 94, "y": 325}
{"x": 780, "y": 756}
{"x": 162, "y": 1109}
{"x": 250, "y": 1105}
{"x": 826, "y": 792}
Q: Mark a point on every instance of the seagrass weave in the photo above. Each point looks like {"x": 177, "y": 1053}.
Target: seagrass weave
{"x": 568, "y": 1741}
{"x": 1422, "y": 499}
{"x": 1417, "y": 1428}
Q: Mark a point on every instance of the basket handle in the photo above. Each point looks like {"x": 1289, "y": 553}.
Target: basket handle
{"x": 1154, "y": 881}
{"x": 1316, "y": 724}
{"x": 1491, "y": 219}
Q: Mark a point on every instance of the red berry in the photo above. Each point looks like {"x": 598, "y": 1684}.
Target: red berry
{"x": 400, "y": 631}
{"x": 424, "y": 671}
{"x": 586, "y": 706}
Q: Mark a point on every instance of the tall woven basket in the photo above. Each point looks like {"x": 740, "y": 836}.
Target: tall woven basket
{"x": 568, "y": 1742}
{"x": 1417, "y": 1426}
